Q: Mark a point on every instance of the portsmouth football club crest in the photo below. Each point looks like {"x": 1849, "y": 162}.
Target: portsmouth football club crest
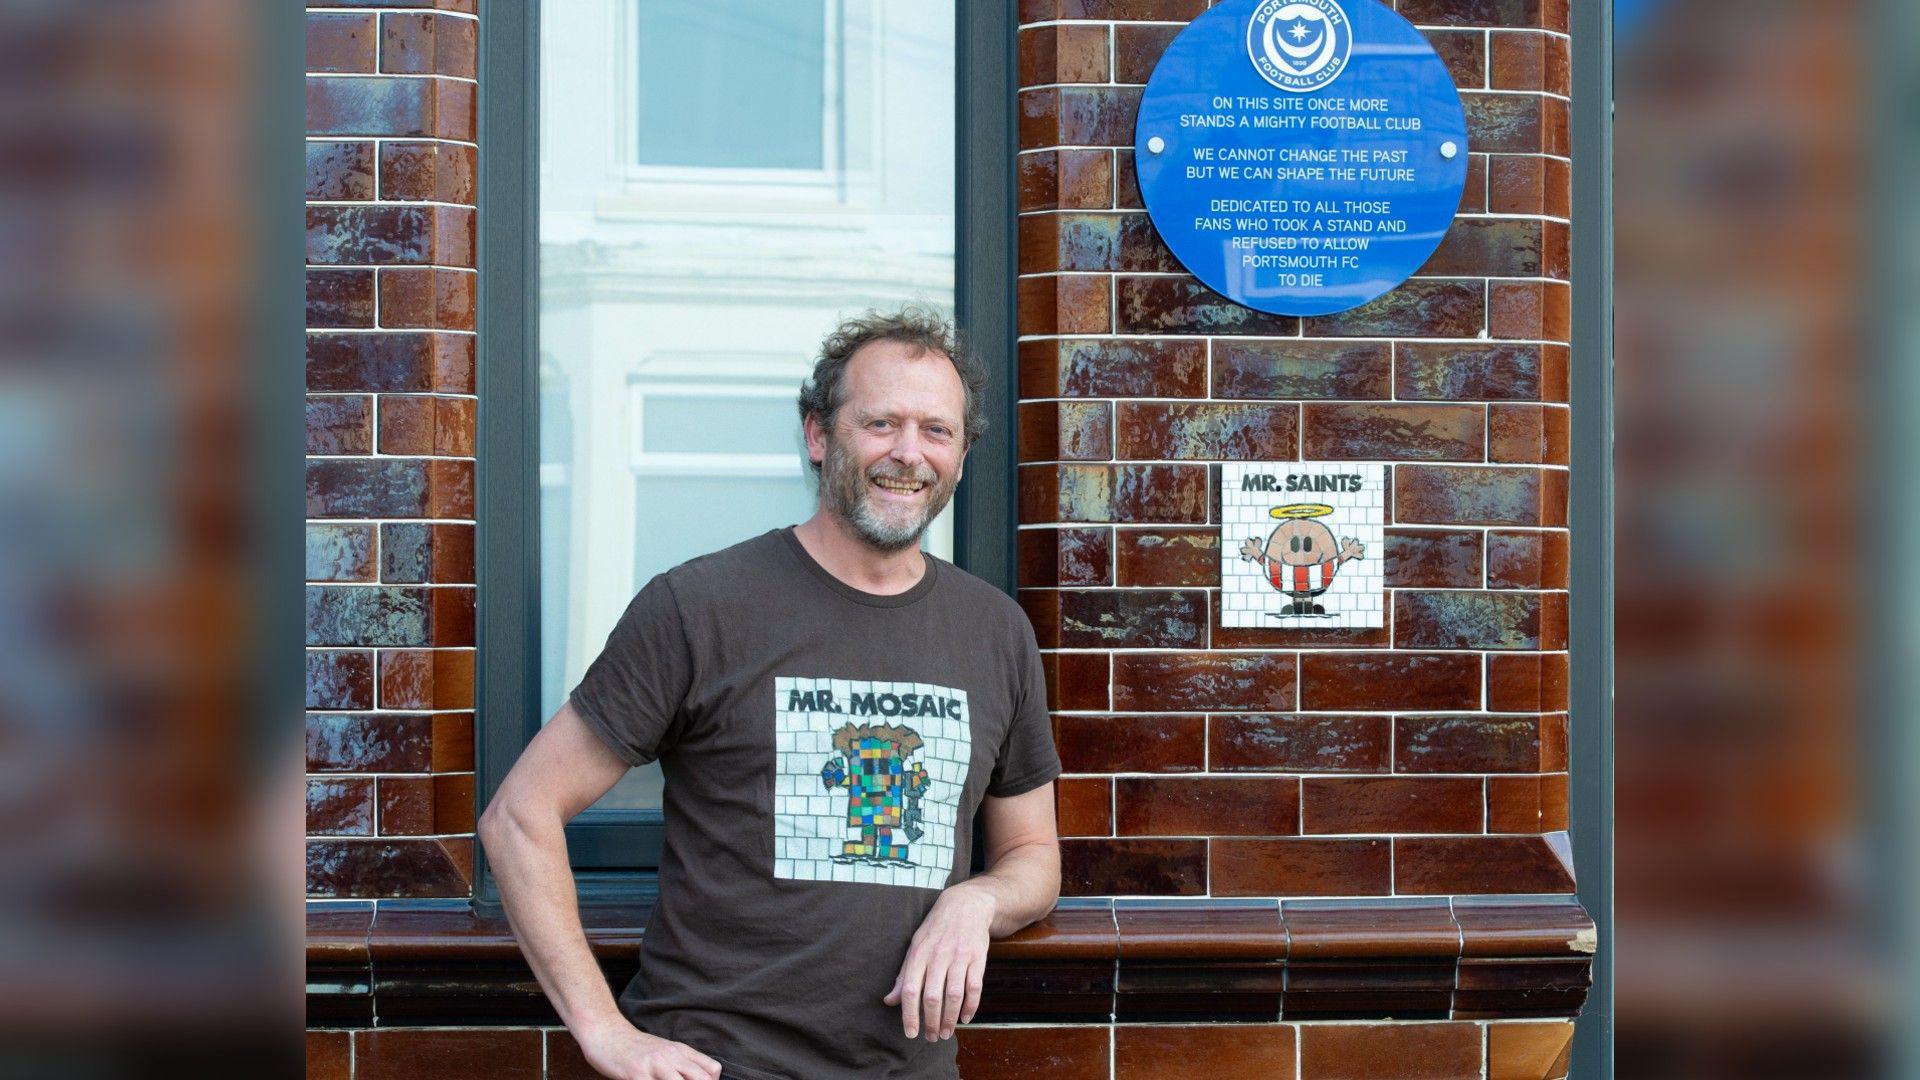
{"x": 1299, "y": 45}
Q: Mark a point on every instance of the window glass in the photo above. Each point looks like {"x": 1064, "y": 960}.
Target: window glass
{"x": 720, "y": 182}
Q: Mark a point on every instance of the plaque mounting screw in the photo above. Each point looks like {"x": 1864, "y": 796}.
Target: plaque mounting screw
{"x": 1448, "y": 149}
{"x": 1157, "y": 144}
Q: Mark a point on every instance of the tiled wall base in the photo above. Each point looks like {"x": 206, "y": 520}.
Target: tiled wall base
{"x": 1501, "y": 1050}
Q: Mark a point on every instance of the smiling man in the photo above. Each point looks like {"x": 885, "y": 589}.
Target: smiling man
{"x": 831, "y": 708}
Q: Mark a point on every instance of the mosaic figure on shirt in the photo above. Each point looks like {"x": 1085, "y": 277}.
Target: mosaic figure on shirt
{"x": 884, "y": 789}
{"x": 1301, "y": 555}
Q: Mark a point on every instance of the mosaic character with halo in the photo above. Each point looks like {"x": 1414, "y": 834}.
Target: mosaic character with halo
{"x": 1301, "y": 555}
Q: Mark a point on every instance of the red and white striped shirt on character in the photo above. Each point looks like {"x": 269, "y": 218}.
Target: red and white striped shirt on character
{"x": 1299, "y": 579}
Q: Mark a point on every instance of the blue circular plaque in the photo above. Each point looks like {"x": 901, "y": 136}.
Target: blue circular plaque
{"x": 1301, "y": 156}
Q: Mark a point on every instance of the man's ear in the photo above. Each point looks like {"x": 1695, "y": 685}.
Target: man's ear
{"x": 816, "y": 434}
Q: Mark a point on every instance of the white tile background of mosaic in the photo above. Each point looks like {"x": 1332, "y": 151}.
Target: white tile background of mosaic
{"x": 810, "y": 820}
{"x": 1357, "y": 597}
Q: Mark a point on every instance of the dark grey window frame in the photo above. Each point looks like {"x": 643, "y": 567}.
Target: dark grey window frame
{"x": 612, "y": 851}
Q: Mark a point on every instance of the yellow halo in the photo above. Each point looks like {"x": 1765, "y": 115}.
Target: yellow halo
{"x": 1301, "y": 510}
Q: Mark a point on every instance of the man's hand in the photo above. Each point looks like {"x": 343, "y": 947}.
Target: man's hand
{"x": 624, "y": 1052}
{"x": 939, "y": 985}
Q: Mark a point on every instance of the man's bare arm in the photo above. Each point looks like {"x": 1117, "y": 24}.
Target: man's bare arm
{"x": 1023, "y": 858}
{"x": 562, "y": 772}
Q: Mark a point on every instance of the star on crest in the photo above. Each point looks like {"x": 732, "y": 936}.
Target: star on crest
{"x": 1299, "y": 31}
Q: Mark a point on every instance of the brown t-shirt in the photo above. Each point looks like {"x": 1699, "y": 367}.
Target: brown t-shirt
{"x": 824, "y": 751}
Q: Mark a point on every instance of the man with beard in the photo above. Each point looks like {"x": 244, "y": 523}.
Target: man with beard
{"x": 780, "y": 949}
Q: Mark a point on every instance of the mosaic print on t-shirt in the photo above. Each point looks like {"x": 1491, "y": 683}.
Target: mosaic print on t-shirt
{"x": 868, "y": 780}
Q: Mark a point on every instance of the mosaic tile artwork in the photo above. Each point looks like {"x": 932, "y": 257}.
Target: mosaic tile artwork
{"x": 867, "y": 780}
{"x": 1302, "y": 544}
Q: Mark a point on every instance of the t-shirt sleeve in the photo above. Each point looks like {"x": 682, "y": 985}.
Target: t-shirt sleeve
{"x": 1027, "y": 758}
{"x": 633, "y": 691}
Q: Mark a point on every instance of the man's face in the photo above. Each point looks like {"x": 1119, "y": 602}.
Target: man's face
{"x": 893, "y": 456}
{"x": 1302, "y": 542}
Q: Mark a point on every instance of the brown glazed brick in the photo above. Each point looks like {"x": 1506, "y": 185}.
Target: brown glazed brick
{"x": 1078, "y": 116}
{"x": 1527, "y": 804}
{"x": 339, "y": 170}
{"x": 1208, "y": 806}
{"x": 1168, "y": 557}
{"x": 1370, "y": 930}
{"x": 1065, "y": 557}
{"x": 390, "y": 235}
{"x": 1553, "y": 742}
{"x": 1528, "y": 184}
{"x": 1506, "y": 123}
{"x": 1470, "y": 743}
{"x": 427, "y": 298}
{"x": 1418, "y": 308}
{"x": 340, "y": 425}
{"x": 412, "y": 1053}
{"x": 1301, "y": 369}
{"x": 1066, "y": 431}
{"x": 385, "y": 742}
{"x": 369, "y": 615}
{"x": 427, "y": 44}
{"x": 426, "y": 679}
{"x": 1528, "y": 683}
{"x": 1066, "y": 180}
{"x": 1301, "y": 867}
{"x": 1465, "y": 54}
{"x": 1137, "y": 48}
{"x": 1459, "y": 619}
{"x": 1131, "y": 10}
{"x": 1520, "y": 60}
{"x": 1181, "y": 305}
{"x": 1527, "y": 560}
{"x": 1464, "y": 495}
{"x": 1078, "y": 241}
{"x": 1208, "y": 431}
{"x": 1470, "y": 372}
{"x": 1177, "y": 681}
{"x": 339, "y": 807}
{"x": 1065, "y": 304}
{"x": 1491, "y": 247}
{"x": 439, "y": 553}
{"x": 1473, "y": 196}
{"x": 1115, "y": 744}
{"x": 427, "y": 425}
{"x": 339, "y": 298}
{"x": 1077, "y": 681}
{"x": 1473, "y": 12}
{"x": 1132, "y": 618}
{"x": 1528, "y": 1050}
{"x": 366, "y": 488}
{"x": 371, "y": 869}
{"x": 1447, "y": 1051}
{"x": 1083, "y": 805}
{"x": 453, "y": 742}
{"x": 1126, "y": 183}
{"x": 1202, "y": 1051}
{"x": 1379, "y": 804}
{"x": 1538, "y": 310}
{"x": 406, "y": 806}
{"x": 452, "y": 615}
{"x": 1432, "y": 559}
{"x": 1288, "y": 743}
{"x": 329, "y": 1055}
{"x": 1333, "y": 682}
{"x": 1443, "y": 865}
{"x": 391, "y": 107}
{"x": 340, "y": 552}
{"x": 1133, "y": 867}
{"x": 339, "y": 680}
{"x": 1003, "y": 1053}
{"x": 1528, "y": 433}
{"x": 1113, "y": 368}
{"x": 1063, "y": 54}
{"x": 427, "y": 171}
{"x": 1127, "y": 493}
{"x": 388, "y": 362}
{"x": 337, "y": 42}
{"x": 1389, "y": 432}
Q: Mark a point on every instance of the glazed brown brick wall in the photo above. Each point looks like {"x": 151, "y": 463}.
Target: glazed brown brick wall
{"x": 390, "y": 443}
{"x": 1424, "y": 758}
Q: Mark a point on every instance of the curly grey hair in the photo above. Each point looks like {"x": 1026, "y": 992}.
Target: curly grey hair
{"x": 919, "y": 327}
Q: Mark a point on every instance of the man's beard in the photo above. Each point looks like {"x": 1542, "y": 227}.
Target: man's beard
{"x": 849, "y": 497}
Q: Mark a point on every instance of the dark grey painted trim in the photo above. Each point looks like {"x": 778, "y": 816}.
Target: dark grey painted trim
{"x": 1590, "y": 517}
{"x": 985, "y": 303}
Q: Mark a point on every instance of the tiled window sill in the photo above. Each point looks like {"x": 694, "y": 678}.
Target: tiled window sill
{"x": 1090, "y": 961}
